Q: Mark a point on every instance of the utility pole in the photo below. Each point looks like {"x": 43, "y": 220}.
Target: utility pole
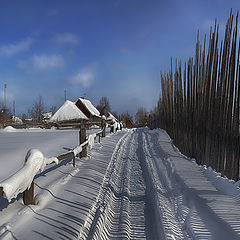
{"x": 14, "y": 108}
{"x": 65, "y": 95}
{"x": 5, "y": 96}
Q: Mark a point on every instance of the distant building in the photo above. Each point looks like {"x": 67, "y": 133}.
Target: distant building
{"x": 88, "y": 109}
{"x": 111, "y": 118}
{"x": 68, "y": 113}
{"x": 46, "y": 116}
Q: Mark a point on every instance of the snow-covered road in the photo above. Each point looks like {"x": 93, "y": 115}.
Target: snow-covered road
{"x": 135, "y": 184}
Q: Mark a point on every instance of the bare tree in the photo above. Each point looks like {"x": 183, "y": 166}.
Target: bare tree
{"x": 37, "y": 109}
{"x": 53, "y": 109}
{"x": 127, "y": 119}
{"x": 24, "y": 117}
{"x": 141, "y": 117}
{"x": 104, "y": 106}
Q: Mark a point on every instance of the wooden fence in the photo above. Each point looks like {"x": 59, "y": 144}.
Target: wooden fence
{"x": 81, "y": 150}
{"x": 199, "y": 105}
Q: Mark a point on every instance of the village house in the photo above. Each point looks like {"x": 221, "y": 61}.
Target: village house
{"x": 68, "y": 114}
{"x": 89, "y": 111}
{"x": 111, "y": 118}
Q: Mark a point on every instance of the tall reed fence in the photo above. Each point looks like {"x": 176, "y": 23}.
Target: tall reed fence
{"x": 199, "y": 103}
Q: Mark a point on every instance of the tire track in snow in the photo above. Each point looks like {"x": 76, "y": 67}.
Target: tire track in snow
{"x": 121, "y": 213}
{"x": 178, "y": 206}
{"x": 154, "y": 228}
{"x": 186, "y": 196}
{"x": 166, "y": 196}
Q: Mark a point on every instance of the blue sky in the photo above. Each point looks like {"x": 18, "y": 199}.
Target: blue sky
{"x": 112, "y": 48}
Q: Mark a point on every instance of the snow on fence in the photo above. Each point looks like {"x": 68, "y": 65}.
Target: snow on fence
{"x": 23, "y": 180}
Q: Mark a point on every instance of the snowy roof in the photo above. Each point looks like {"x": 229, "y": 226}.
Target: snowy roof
{"x": 111, "y": 117}
{"x": 47, "y": 115}
{"x": 68, "y": 111}
{"x": 17, "y": 120}
{"x": 90, "y": 107}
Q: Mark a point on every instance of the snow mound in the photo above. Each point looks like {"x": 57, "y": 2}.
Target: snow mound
{"x": 227, "y": 186}
{"x": 21, "y": 180}
{"x": 9, "y": 129}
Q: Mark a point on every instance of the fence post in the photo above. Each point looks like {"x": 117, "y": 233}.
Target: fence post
{"x": 82, "y": 140}
{"x": 74, "y": 161}
{"x": 1, "y": 191}
{"x": 99, "y": 138}
{"x": 103, "y": 128}
{"x": 111, "y": 129}
{"x": 28, "y": 195}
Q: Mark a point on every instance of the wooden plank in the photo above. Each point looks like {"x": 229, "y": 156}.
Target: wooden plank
{"x": 65, "y": 155}
{"x": 28, "y": 195}
{"x": 74, "y": 161}
{"x": 99, "y": 133}
{"x": 104, "y": 132}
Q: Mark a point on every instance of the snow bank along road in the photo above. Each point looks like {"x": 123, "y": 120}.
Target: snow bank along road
{"x": 133, "y": 185}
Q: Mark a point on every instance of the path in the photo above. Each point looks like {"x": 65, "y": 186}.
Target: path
{"x": 134, "y": 185}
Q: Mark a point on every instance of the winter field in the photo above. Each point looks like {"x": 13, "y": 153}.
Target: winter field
{"x": 135, "y": 184}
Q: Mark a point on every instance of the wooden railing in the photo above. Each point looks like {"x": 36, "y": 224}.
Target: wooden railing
{"x": 80, "y": 151}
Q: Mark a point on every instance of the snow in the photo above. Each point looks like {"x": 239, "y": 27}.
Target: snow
{"x": 223, "y": 184}
{"x": 68, "y": 111}
{"x": 22, "y": 180}
{"x": 91, "y": 140}
{"x": 9, "y": 129}
{"x": 191, "y": 203}
{"x": 94, "y": 127}
{"x": 134, "y": 184}
{"x": 15, "y": 144}
{"x": 111, "y": 117}
{"x": 47, "y": 115}
{"x": 17, "y": 120}
{"x": 90, "y": 107}
{"x": 77, "y": 150}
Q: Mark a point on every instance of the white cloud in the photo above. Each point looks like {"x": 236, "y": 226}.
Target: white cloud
{"x": 66, "y": 38}
{"x": 11, "y": 49}
{"x": 44, "y": 62}
{"x": 83, "y": 78}
{"x": 23, "y": 64}
{"x": 207, "y": 24}
{"x": 86, "y": 76}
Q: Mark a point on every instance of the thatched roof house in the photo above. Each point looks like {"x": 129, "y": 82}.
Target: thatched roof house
{"x": 68, "y": 113}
